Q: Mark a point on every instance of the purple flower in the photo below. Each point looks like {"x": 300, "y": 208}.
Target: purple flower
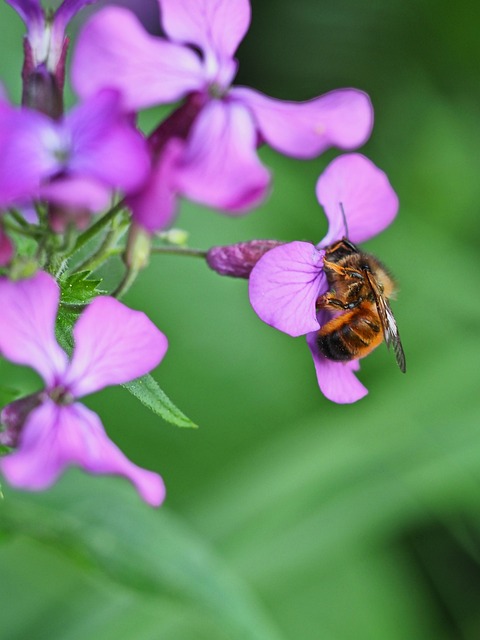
{"x": 113, "y": 345}
{"x": 45, "y": 52}
{"x": 74, "y": 162}
{"x": 46, "y": 32}
{"x": 287, "y": 281}
{"x": 208, "y": 151}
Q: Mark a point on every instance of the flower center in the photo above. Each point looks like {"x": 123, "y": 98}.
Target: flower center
{"x": 61, "y": 395}
{"x": 216, "y": 91}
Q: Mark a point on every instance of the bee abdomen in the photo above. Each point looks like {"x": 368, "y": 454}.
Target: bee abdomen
{"x": 349, "y": 336}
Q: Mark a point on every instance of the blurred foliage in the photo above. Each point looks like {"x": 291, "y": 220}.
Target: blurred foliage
{"x": 288, "y": 516}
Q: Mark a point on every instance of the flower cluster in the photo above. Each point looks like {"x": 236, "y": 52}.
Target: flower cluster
{"x": 74, "y": 183}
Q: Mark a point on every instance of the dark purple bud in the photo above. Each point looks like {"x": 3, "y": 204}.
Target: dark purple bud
{"x": 178, "y": 124}
{"x": 7, "y": 249}
{"x": 237, "y": 260}
{"x": 42, "y": 88}
{"x": 60, "y": 217}
{"x": 13, "y": 417}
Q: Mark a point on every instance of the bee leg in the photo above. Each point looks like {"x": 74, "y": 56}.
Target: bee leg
{"x": 344, "y": 272}
{"x": 327, "y": 301}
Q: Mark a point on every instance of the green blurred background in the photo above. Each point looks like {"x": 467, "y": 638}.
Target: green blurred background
{"x": 289, "y": 517}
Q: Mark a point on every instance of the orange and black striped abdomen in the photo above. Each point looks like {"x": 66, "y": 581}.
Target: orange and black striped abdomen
{"x": 352, "y": 335}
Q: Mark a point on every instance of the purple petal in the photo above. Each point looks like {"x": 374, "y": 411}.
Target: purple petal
{"x": 76, "y": 192}
{"x": 114, "y": 50}
{"x": 30, "y": 11}
{"x": 337, "y": 380}
{"x": 155, "y": 205}
{"x": 220, "y": 167}
{"x": 27, "y": 325}
{"x": 105, "y": 145}
{"x": 284, "y": 287}
{"x": 369, "y": 202}
{"x": 68, "y": 10}
{"x": 55, "y": 437}
{"x": 113, "y": 345}
{"x": 28, "y": 141}
{"x": 216, "y": 26}
{"x": 342, "y": 118}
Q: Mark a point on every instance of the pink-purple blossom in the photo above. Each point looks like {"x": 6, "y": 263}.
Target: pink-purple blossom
{"x": 287, "y": 281}
{"x": 76, "y": 161}
{"x": 45, "y": 52}
{"x": 113, "y": 345}
{"x": 209, "y": 153}
{"x": 46, "y": 30}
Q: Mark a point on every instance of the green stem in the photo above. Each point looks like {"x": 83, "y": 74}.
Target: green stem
{"x": 92, "y": 231}
{"x": 125, "y": 284}
{"x": 19, "y": 219}
{"x": 26, "y": 231}
{"x": 181, "y": 251}
{"x": 104, "y": 251}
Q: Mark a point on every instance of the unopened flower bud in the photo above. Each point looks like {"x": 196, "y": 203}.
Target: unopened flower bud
{"x": 177, "y": 237}
{"x": 137, "y": 252}
{"x": 13, "y": 417}
{"x": 7, "y": 249}
{"x": 237, "y": 260}
{"x": 42, "y": 86}
{"x": 60, "y": 217}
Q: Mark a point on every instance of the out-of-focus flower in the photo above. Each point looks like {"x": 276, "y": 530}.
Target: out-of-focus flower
{"x": 45, "y": 52}
{"x": 113, "y": 345}
{"x": 206, "y": 151}
{"x": 74, "y": 162}
{"x": 287, "y": 281}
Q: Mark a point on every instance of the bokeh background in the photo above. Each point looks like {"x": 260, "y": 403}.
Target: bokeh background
{"x": 287, "y": 516}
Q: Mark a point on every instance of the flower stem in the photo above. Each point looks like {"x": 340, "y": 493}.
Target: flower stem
{"x": 181, "y": 251}
{"x": 104, "y": 251}
{"x": 92, "y": 231}
{"x": 128, "y": 279}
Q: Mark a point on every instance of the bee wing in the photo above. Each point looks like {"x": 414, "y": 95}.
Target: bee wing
{"x": 389, "y": 324}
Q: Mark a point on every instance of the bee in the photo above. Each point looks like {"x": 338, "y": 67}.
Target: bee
{"x": 360, "y": 288}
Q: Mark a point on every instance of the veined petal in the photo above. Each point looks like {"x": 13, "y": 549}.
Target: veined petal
{"x": 284, "y": 286}
{"x": 220, "y": 167}
{"x": 216, "y": 26}
{"x": 342, "y": 118}
{"x": 104, "y": 144}
{"x": 113, "y": 345}
{"x": 337, "y": 380}
{"x": 155, "y": 205}
{"x": 368, "y": 200}
{"x": 27, "y": 324}
{"x": 114, "y": 50}
{"x": 55, "y": 437}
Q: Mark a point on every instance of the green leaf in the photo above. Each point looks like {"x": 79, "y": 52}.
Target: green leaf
{"x": 7, "y": 395}
{"x": 66, "y": 318}
{"x": 102, "y": 527}
{"x": 79, "y": 288}
{"x": 149, "y": 393}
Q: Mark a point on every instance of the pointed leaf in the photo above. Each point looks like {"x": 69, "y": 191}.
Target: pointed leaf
{"x": 78, "y": 288}
{"x": 149, "y": 393}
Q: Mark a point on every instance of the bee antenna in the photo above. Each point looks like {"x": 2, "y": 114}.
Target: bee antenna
{"x": 344, "y": 219}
